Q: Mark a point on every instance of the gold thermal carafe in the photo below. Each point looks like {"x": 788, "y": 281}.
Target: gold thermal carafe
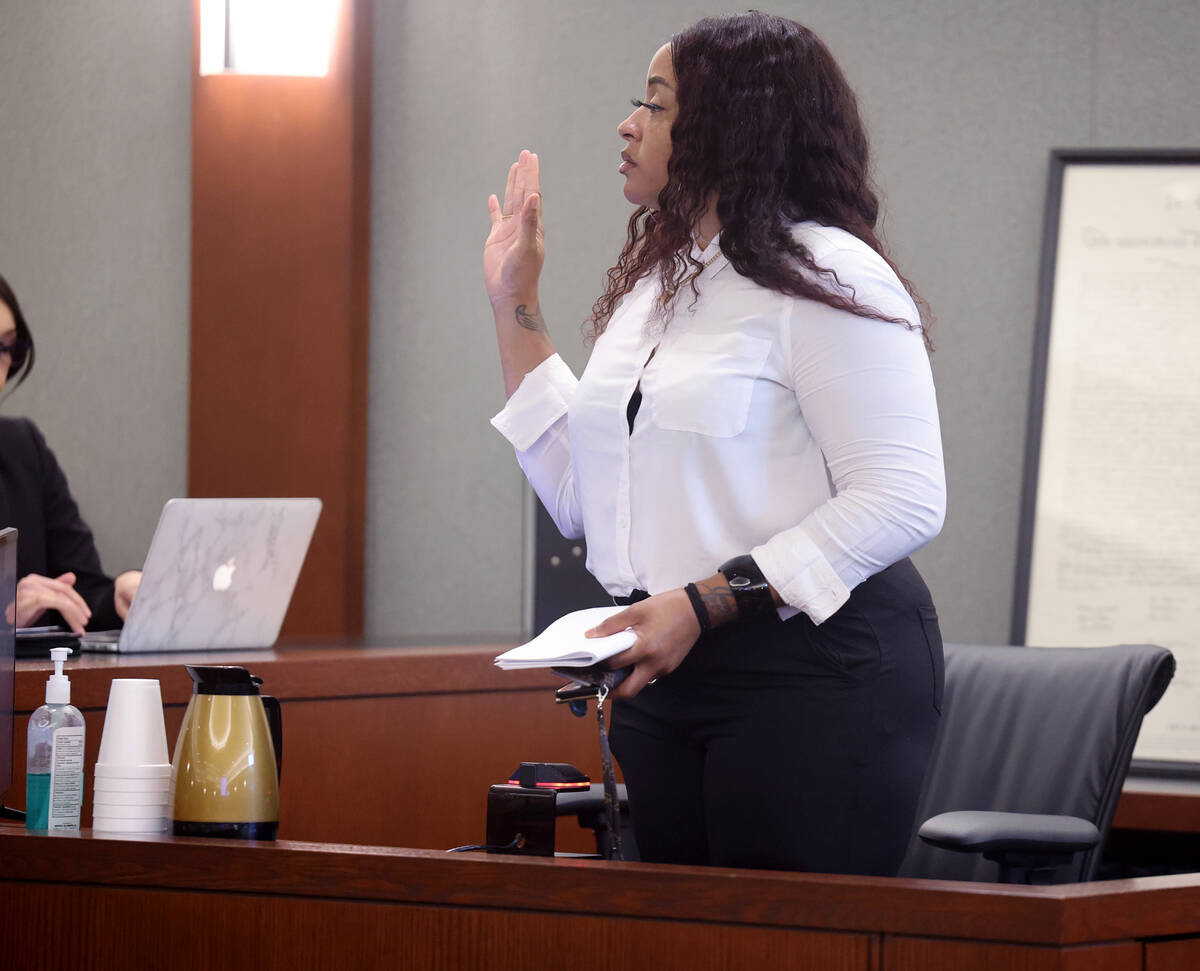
{"x": 225, "y": 773}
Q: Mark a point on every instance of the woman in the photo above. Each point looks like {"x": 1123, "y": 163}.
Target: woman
{"x": 59, "y": 568}
{"x": 752, "y": 454}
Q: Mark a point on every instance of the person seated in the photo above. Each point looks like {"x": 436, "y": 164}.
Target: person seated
{"x": 60, "y": 577}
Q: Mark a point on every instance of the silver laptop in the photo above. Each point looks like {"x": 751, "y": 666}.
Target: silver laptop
{"x": 220, "y": 573}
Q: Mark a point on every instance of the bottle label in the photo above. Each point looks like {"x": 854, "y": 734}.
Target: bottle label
{"x": 66, "y": 779}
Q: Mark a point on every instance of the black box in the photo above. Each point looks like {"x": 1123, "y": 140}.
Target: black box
{"x": 516, "y": 811}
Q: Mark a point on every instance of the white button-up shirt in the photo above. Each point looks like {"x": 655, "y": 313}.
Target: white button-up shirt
{"x": 770, "y": 425}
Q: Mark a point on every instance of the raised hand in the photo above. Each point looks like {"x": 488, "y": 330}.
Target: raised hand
{"x": 515, "y": 249}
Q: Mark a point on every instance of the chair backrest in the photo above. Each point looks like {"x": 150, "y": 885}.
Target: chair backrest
{"x": 1037, "y": 730}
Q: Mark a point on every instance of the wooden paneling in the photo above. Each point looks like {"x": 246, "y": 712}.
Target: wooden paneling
{"x": 280, "y": 206}
{"x": 1161, "y": 811}
{"x": 415, "y": 770}
{"x": 146, "y": 929}
{"x": 912, "y": 954}
{"x": 1173, "y": 955}
{"x": 835, "y": 918}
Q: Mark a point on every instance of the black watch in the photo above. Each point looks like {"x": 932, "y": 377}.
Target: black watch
{"x": 751, "y": 591}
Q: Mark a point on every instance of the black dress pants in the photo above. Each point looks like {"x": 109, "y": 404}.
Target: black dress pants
{"x": 791, "y": 745}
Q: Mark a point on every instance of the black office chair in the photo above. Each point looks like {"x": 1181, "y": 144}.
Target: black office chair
{"x": 1046, "y": 733}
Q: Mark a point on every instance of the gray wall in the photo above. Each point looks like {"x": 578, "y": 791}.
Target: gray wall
{"x": 95, "y": 184}
{"x": 964, "y": 99}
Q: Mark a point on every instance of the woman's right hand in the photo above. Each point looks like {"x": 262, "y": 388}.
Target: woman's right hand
{"x": 515, "y": 248}
{"x": 36, "y": 594}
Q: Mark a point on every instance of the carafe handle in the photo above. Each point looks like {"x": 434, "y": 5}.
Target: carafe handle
{"x": 275, "y": 723}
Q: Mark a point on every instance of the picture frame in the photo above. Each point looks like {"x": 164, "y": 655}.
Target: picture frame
{"x": 1109, "y": 543}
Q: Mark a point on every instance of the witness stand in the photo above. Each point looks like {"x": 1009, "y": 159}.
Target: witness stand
{"x": 388, "y": 755}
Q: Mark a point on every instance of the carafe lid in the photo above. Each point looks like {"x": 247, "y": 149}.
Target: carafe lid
{"x": 223, "y": 680}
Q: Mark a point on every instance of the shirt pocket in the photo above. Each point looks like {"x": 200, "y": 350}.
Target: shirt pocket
{"x": 704, "y": 383}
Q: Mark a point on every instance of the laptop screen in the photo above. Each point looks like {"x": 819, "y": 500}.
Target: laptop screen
{"x": 8, "y": 597}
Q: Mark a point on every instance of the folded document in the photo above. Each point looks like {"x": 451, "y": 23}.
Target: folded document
{"x": 562, "y": 644}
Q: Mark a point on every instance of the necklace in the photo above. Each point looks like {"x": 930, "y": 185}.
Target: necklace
{"x": 703, "y": 266}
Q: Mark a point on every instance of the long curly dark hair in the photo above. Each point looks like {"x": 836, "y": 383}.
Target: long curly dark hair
{"x": 767, "y": 122}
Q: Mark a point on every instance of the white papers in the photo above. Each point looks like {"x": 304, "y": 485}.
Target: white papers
{"x": 562, "y": 644}
{"x": 1117, "y": 519}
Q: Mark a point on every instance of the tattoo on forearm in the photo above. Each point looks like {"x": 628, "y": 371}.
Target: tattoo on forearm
{"x": 530, "y": 320}
{"x": 719, "y": 602}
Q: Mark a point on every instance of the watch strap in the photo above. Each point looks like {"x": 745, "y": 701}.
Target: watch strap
{"x": 750, "y": 589}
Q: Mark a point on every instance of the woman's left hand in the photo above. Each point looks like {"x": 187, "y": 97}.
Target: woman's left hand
{"x": 124, "y": 588}
{"x": 666, "y": 628}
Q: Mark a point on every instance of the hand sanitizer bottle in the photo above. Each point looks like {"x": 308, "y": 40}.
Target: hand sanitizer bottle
{"x": 54, "y": 771}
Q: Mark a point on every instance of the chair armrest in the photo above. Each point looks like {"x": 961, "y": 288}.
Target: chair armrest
{"x": 1027, "y": 846}
{"x": 986, "y": 832}
{"x": 585, "y": 803}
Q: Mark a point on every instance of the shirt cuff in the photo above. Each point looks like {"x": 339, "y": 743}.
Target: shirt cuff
{"x": 540, "y": 400}
{"x": 795, "y": 567}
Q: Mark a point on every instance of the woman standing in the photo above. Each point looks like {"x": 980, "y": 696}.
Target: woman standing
{"x": 57, "y": 563}
{"x": 752, "y": 453}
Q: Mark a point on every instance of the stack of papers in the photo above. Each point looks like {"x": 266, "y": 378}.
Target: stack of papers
{"x": 562, "y": 644}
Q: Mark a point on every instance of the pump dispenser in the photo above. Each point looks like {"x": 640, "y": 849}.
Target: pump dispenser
{"x": 54, "y": 770}
{"x": 58, "y": 685}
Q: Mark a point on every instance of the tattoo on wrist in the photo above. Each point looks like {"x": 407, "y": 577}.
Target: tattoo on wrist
{"x": 719, "y": 602}
{"x": 530, "y": 320}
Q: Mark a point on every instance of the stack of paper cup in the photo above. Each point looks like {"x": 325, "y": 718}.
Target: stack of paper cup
{"x": 133, "y": 774}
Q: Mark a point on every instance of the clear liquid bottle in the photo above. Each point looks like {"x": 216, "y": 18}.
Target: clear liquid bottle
{"x": 54, "y": 766}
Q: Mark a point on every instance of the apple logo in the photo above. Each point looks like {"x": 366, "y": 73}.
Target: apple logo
{"x": 223, "y": 576}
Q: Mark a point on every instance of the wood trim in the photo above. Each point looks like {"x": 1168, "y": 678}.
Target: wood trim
{"x": 121, "y": 929}
{"x": 929, "y": 954}
{"x": 1069, "y": 915}
{"x": 1181, "y": 955}
{"x": 1169, "y": 812}
{"x": 339, "y": 669}
{"x": 280, "y": 262}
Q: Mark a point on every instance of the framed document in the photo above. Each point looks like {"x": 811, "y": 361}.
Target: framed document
{"x": 1110, "y": 515}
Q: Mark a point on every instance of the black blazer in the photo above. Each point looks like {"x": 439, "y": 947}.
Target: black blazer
{"x": 35, "y": 498}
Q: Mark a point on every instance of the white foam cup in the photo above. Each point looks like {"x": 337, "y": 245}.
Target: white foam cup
{"x": 106, "y": 783}
{"x": 110, "y": 797}
{"x": 108, "y": 824}
{"x": 134, "y": 731}
{"x": 145, "y": 773}
{"x": 106, "y": 811}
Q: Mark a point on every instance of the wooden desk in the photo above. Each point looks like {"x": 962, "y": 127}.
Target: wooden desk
{"x": 396, "y": 746}
{"x": 383, "y": 745}
{"x": 1158, "y": 810}
{"x": 84, "y": 901}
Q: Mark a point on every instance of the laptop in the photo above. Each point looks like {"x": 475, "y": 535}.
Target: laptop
{"x": 220, "y": 574}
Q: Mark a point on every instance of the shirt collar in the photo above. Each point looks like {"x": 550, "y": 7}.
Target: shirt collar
{"x": 702, "y": 256}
